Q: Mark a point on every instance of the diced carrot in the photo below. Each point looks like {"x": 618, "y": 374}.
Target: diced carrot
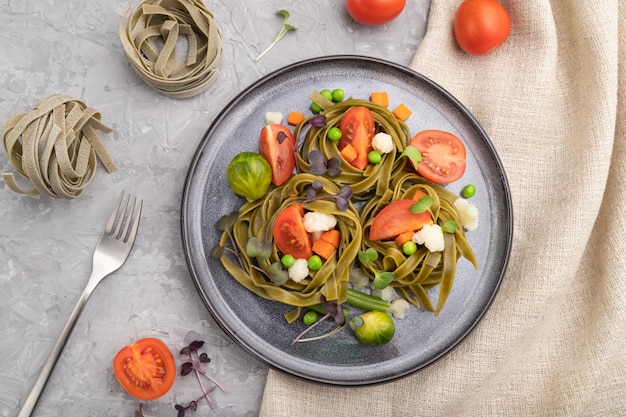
{"x": 380, "y": 97}
{"x": 332, "y": 236}
{"x": 349, "y": 153}
{"x": 323, "y": 248}
{"x": 403, "y": 238}
{"x": 402, "y": 112}
{"x": 295, "y": 118}
{"x": 419, "y": 194}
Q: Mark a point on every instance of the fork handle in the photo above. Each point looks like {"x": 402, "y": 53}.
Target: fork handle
{"x": 48, "y": 366}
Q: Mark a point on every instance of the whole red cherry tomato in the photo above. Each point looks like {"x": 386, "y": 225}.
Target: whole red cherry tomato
{"x": 374, "y": 12}
{"x": 481, "y": 26}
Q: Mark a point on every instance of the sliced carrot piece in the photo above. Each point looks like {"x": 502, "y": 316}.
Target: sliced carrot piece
{"x": 295, "y": 118}
{"x": 402, "y": 112}
{"x": 419, "y": 194}
{"x": 332, "y": 236}
{"x": 402, "y": 238}
{"x": 349, "y": 153}
{"x": 380, "y": 98}
{"x": 323, "y": 248}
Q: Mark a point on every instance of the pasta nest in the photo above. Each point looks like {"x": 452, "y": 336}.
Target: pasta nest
{"x": 256, "y": 218}
{"x": 150, "y": 37}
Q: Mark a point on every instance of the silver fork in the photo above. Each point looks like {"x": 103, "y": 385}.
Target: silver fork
{"x": 110, "y": 254}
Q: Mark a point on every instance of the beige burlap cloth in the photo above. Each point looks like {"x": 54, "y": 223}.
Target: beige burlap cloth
{"x": 553, "y": 101}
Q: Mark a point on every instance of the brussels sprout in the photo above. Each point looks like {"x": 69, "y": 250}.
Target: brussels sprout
{"x": 249, "y": 175}
{"x": 373, "y": 328}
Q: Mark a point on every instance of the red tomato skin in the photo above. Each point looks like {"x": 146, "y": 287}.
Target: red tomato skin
{"x": 357, "y": 128}
{"x": 289, "y": 234}
{"x": 374, "y": 12}
{"x": 145, "y": 369}
{"x": 395, "y": 219}
{"x": 480, "y": 26}
{"x": 281, "y": 156}
{"x": 443, "y": 156}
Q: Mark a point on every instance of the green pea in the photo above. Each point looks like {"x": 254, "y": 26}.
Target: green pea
{"x": 374, "y": 157}
{"x": 315, "y": 263}
{"x": 315, "y": 108}
{"x": 338, "y": 95}
{"x": 310, "y": 317}
{"x": 327, "y": 94}
{"x": 288, "y": 260}
{"x": 468, "y": 191}
{"x": 334, "y": 134}
{"x": 409, "y": 248}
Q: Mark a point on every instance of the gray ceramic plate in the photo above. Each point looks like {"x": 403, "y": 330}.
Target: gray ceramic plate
{"x": 257, "y": 324}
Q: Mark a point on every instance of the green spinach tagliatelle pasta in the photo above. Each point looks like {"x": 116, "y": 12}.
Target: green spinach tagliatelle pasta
{"x": 372, "y": 189}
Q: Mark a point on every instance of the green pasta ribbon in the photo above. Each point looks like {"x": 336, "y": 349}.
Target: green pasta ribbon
{"x": 150, "y": 34}
{"x": 56, "y": 147}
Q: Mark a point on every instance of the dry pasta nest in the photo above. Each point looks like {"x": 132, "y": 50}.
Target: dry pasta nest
{"x": 256, "y": 218}
{"x": 55, "y": 147}
{"x": 364, "y": 183}
{"x": 152, "y": 34}
{"x": 416, "y": 274}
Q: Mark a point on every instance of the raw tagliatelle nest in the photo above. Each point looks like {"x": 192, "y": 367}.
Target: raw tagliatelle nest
{"x": 56, "y": 147}
{"x": 151, "y": 35}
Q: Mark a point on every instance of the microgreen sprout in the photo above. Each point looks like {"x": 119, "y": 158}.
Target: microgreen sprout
{"x": 382, "y": 279}
{"x": 449, "y": 226}
{"x": 332, "y": 310}
{"x": 367, "y": 256}
{"x": 342, "y": 197}
{"x": 286, "y": 28}
{"x": 258, "y": 249}
{"x": 195, "y": 365}
{"x": 422, "y": 205}
{"x": 413, "y": 154}
{"x": 320, "y": 165}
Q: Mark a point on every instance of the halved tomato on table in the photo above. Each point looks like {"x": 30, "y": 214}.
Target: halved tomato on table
{"x": 145, "y": 369}
{"x": 396, "y": 219}
{"x": 290, "y": 235}
{"x": 278, "y": 146}
{"x": 443, "y": 156}
{"x": 357, "y": 129}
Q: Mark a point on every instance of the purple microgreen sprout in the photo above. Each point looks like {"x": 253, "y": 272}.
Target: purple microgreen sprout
{"x": 342, "y": 197}
{"x": 286, "y": 28}
{"x": 332, "y": 311}
{"x": 320, "y": 165}
{"x": 225, "y": 224}
{"x": 277, "y": 274}
{"x": 319, "y": 120}
{"x": 280, "y": 137}
{"x": 256, "y": 248}
{"x": 195, "y": 365}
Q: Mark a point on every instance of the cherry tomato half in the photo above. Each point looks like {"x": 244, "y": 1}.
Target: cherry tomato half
{"x": 145, "y": 369}
{"x": 290, "y": 235}
{"x": 357, "y": 129}
{"x": 395, "y": 219}
{"x": 279, "y": 151}
{"x": 481, "y": 26}
{"x": 374, "y": 12}
{"x": 443, "y": 156}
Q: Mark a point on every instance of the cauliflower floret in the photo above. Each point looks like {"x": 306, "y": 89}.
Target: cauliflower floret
{"x": 382, "y": 143}
{"x": 359, "y": 279}
{"x": 386, "y": 293}
{"x": 430, "y": 236}
{"x": 319, "y": 222}
{"x": 468, "y": 213}
{"x": 299, "y": 270}
{"x": 398, "y": 307}
{"x": 273, "y": 118}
